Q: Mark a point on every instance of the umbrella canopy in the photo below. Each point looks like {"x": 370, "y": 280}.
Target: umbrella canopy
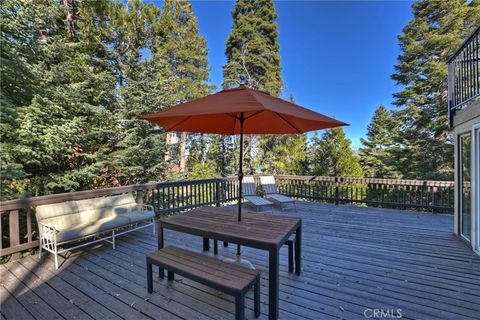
{"x": 221, "y": 113}
{"x": 240, "y": 111}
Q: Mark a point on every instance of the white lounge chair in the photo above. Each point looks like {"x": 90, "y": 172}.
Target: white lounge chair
{"x": 250, "y": 193}
{"x": 270, "y": 188}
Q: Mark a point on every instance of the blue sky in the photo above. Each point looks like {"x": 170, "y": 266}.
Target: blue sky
{"x": 337, "y": 56}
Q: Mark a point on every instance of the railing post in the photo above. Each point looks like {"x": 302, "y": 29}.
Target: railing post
{"x": 337, "y": 193}
{"x": 217, "y": 193}
{"x": 14, "y": 232}
{"x": 140, "y": 196}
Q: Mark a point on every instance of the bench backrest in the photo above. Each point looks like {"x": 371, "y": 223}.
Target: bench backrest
{"x": 70, "y": 213}
{"x": 248, "y": 186}
{"x": 268, "y": 184}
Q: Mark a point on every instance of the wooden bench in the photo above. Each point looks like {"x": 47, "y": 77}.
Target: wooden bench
{"x": 226, "y": 277}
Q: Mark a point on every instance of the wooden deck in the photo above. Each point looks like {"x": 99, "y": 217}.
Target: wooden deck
{"x": 354, "y": 259}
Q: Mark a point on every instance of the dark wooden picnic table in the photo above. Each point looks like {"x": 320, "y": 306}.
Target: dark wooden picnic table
{"x": 257, "y": 230}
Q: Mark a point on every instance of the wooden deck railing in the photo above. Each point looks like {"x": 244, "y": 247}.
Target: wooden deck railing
{"x": 434, "y": 196}
{"x": 18, "y": 228}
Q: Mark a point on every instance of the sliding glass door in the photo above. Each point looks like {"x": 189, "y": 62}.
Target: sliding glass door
{"x": 465, "y": 175}
{"x": 476, "y": 188}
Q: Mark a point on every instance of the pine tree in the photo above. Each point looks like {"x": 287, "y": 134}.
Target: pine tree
{"x": 185, "y": 50}
{"x": 286, "y": 154}
{"x": 143, "y": 86}
{"x": 252, "y": 47}
{"x": 375, "y": 156}
{"x": 253, "y": 60}
{"x": 424, "y": 147}
{"x": 332, "y": 155}
{"x": 59, "y": 127}
{"x": 17, "y": 49}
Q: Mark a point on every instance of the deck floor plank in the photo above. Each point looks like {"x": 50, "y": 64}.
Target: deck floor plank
{"x": 71, "y": 294}
{"x": 29, "y": 299}
{"x": 354, "y": 258}
{"x": 48, "y": 294}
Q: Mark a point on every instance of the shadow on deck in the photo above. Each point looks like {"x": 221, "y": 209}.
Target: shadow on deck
{"x": 355, "y": 260}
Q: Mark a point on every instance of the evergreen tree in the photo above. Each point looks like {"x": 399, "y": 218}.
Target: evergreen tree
{"x": 18, "y": 55}
{"x": 252, "y": 47}
{"x": 375, "y": 156}
{"x": 72, "y": 91}
{"x": 424, "y": 147}
{"x": 253, "y": 60}
{"x": 332, "y": 155}
{"x": 143, "y": 86}
{"x": 185, "y": 51}
{"x": 287, "y": 154}
{"x": 222, "y": 152}
{"x": 58, "y": 134}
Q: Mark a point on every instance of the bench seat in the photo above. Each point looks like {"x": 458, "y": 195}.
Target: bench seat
{"x": 226, "y": 277}
{"x": 91, "y": 228}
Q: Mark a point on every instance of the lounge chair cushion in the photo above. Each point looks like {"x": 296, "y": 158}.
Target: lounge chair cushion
{"x": 248, "y": 186}
{"x": 258, "y": 201}
{"x": 268, "y": 184}
{"x": 86, "y": 229}
{"x": 280, "y": 198}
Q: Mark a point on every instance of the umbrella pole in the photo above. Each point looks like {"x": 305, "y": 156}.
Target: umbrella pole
{"x": 240, "y": 174}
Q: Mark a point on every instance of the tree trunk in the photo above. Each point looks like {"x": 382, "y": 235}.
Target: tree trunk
{"x": 183, "y": 147}
{"x": 168, "y": 140}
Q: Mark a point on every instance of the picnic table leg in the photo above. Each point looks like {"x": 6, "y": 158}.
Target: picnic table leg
{"x": 273, "y": 284}
{"x": 161, "y": 272}
{"x": 298, "y": 250}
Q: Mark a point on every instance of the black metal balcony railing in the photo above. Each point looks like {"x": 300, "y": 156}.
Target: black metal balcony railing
{"x": 464, "y": 74}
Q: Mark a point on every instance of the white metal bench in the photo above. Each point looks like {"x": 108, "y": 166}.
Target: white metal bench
{"x": 93, "y": 220}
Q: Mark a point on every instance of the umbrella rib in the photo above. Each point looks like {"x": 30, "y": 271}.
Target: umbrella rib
{"x": 178, "y": 123}
{"x": 253, "y": 114}
{"x": 290, "y": 124}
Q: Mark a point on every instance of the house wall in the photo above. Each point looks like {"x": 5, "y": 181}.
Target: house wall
{"x": 464, "y": 121}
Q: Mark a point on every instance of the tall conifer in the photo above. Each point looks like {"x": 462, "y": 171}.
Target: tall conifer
{"x": 375, "y": 156}
{"x": 253, "y": 59}
{"x": 180, "y": 44}
{"x": 332, "y": 155}
{"x": 424, "y": 147}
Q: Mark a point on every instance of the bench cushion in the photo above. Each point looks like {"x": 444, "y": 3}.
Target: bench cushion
{"x": 55, "y": 209}
{"x": 63, "y": 222}
{"x": 77, "y": 219}
{"x": 139, "y": 216}
{"x": 227, "y": 277}
{"x": 105, "y": 202}
{"x": 91, "y": 228}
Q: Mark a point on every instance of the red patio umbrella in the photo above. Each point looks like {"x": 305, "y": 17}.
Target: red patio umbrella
{"x": 241, "y": 111}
